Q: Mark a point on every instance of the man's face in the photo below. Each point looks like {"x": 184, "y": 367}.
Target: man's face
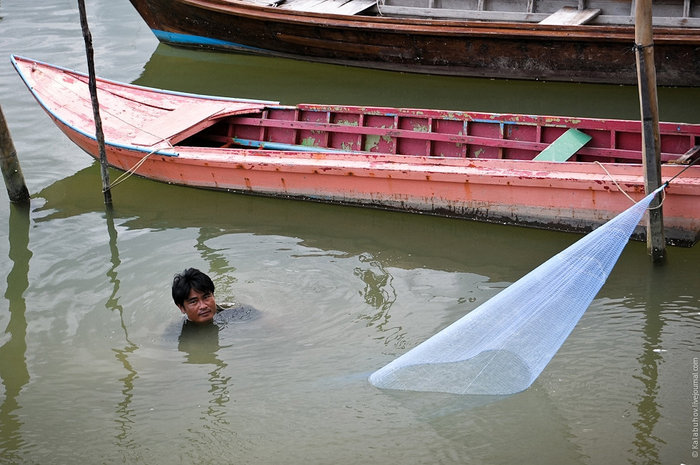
{"x": 199, "y": 307}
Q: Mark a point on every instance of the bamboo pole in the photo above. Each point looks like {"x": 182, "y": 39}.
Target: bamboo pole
{"x": 11, "y": 171}
{"x": 651, "y": 152}
{"x": 95, "y": 104}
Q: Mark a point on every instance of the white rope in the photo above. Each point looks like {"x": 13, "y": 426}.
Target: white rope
{"x": 128, "y": 173}
{"x": 663, "y": 192}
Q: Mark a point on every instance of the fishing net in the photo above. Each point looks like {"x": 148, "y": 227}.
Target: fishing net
{"x": 503, "y": 345}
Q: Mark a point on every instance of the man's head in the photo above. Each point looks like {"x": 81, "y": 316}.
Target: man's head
{"x": 193, "y": 293}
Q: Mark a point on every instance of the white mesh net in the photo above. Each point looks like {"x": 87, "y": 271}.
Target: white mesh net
{"x": 503, "y": 345}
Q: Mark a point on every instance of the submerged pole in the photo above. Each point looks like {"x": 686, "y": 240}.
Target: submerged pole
{"x": 11, "y": 171}
{"x": 651, "y": 151}
{"x": 95, "y": 104}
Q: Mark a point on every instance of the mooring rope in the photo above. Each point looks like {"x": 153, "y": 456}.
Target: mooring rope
{"x": 614, "y": 181}
{"x": 664, "y": 184}
{"x": 131, "y": 171}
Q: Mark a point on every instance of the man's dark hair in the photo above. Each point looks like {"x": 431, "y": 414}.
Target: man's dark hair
{"x": 190, "y": 279}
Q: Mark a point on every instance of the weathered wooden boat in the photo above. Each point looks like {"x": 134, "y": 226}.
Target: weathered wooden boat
{"x": 472, "y": 165}
{"x": 514, "y": 39}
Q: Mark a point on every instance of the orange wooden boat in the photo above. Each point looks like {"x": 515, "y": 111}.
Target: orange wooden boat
{"x": 472, "y": 165}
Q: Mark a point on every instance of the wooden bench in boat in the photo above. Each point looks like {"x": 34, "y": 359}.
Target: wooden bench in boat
{"x": 569, "y": 15}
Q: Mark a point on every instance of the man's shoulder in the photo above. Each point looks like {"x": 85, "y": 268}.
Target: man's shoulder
{"x": 231, "y": 312}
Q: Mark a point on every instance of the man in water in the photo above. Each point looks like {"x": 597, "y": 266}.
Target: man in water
{"x": 193, "y": 293}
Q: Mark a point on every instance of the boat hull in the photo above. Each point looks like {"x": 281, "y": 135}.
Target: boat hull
{"x": 577, "y": 198}
{"x": 512, "y": 50}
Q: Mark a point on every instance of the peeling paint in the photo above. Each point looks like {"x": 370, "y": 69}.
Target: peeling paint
{"x": 309, "y": 142}
{"x": 371, "y": 142}
{"x": 347, "y": 123}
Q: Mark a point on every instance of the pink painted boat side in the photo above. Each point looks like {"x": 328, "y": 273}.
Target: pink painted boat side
{"x": 459, "y": 164}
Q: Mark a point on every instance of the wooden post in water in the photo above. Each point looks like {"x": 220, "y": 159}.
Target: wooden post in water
{"x": 14, "y": 181}
{"x": 95, "y": 104}
{"x": 651, "y": 152}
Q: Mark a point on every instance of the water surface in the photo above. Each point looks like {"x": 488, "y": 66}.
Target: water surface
{"x": 94, "y": 367}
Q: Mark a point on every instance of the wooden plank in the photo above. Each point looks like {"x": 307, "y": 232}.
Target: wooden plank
{"x": 298, "y": 5}
{"x": 469, "y": 15}
{"x": 564, "y": 147}
{"x": 571, "y": 16}
{"x": 355, "y": 6}
{"x": 184, "y": 121}
{"x": 339, "y": 7}
{"x": 687, "y": 156}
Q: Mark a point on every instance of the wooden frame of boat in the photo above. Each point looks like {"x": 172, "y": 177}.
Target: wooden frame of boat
{"x": 481, "y": 166}
{"x": 584, "y": 41}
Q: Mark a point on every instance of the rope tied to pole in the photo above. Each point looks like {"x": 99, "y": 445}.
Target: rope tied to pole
{"x": 662, "y": 187}
{"x": 131, "y": 171}
{"x": 639, "y": 47}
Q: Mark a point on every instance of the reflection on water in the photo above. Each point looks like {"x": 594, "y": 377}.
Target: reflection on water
{"x": 646, "y": 442}
{"x": 381, "y": 238}
{"x": 547, "y": 432}
{"x": 124, "y": 411}
{"x": 200, "y": 344}
{"x": 293, "y": 81}
{"x": 224, "y": 277}
{"x": 380, "y": 295}
{"x": 13, "y": 366}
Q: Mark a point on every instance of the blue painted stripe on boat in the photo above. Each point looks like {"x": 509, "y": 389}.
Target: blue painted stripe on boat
{"x": 281, "y": 146}
{"x": 187, "y": 39}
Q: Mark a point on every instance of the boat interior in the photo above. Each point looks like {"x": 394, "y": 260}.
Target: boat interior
{"x": 672, "y": 13}
{"x": 667, "y": 13}
{"x": 328, "y": 129}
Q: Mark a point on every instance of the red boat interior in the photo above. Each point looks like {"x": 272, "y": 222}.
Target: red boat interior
{"x": 436, "y": 133}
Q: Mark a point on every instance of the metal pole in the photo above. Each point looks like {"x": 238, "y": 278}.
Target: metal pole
{"x": 95, "y": 104}
{"x": 651, "y": 152}
{"x": 11, "y": 171}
